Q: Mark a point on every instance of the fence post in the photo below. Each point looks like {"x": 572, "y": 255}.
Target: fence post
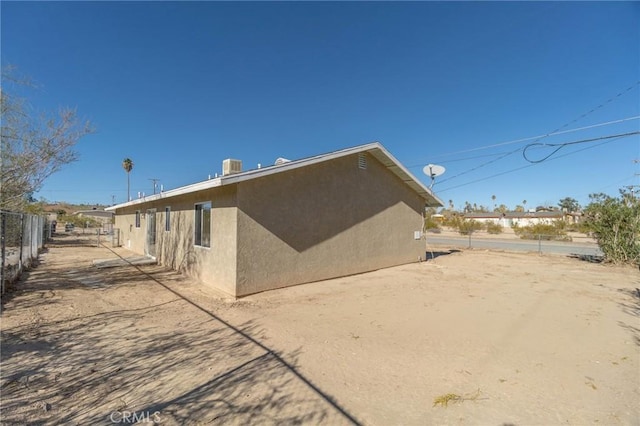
{"x": 34, "y": 236}
{"x": 42, "y": 228}
{"x": 30, "y": 220}
{"x": 21, "y": 242}
{"x": 3, "y": 229}
{"x": 539, "y": 244}
{"x": 469, "y": 239}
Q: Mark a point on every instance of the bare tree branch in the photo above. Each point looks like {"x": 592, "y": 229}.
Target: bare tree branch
{"x": 33, "y": 147}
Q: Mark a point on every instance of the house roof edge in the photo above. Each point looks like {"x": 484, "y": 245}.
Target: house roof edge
{"x": 374, "y": 148}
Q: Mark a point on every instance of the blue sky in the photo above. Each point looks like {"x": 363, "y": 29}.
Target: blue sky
{"x": 178, "y": 87}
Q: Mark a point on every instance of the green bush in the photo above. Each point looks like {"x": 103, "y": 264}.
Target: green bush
{"x": 431, "y": 224}
{"x": 543, "y": 231}
{"x": 615, "y": 223}
{"x": 452, "y": 221}
{"x": 494, "y": 228}
{"x": 79, "y": 221}
{"x": 581, "y": 227}
{"x": 466, "y": 227}
{"x": 561, "y": 225}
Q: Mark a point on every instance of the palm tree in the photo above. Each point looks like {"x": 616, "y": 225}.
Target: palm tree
{"x": 127, "y": 165}
{"x": 493, "y": 198}
{"x": 524, "y": 205}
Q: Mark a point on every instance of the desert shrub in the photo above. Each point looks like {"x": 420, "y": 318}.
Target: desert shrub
{"x": 581, "y": 227}
{"x": 615, "y": 224}
{"x": 79, "y": 221}
{"x": 466, "y": 227}
{"x": 452, "y": 221}
{"x": 542, "y": 231}
{"x": 494, "y": 228}
{"x": 431, "y": 225}
{"x": 560, "y": 225}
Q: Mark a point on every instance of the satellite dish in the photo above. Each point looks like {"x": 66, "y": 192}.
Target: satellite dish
{"x": 281, "y": 161}
{"x": 433, "y": 170}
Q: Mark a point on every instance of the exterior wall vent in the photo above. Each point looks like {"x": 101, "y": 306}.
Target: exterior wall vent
{"x": 230, "y": 166}
{"x": 362, "y": 161}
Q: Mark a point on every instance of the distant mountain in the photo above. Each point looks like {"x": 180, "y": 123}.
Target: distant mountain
{"x": 62, "y": 207}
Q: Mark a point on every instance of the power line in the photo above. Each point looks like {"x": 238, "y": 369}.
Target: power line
{"x": 481, "y": 165}
{"x": 461, "y": 159}
{"x": 616, "y": 183}
{"x": 537, "y": 144}
{"x": 524, "y": 167}
{"x": 611, "y": 99}
{"x": 539, "y": 137}
{"x": 562, "y": 145}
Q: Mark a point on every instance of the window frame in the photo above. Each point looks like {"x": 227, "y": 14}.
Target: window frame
{"x": 137, "y": 219}
{"x": 202, "y": 226}
{"x": 167, "y": 219}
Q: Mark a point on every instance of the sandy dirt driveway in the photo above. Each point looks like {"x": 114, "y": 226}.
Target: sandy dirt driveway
{"x": 470, "y": 337}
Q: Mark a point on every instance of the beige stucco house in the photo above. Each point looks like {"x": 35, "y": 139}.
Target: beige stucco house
{"x": 336, "y": 214}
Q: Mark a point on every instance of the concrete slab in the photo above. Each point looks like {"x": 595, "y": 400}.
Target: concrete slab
{"x": 132, "y": 260}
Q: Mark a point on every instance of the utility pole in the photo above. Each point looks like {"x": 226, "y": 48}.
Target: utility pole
{"x": 155, "y": 184}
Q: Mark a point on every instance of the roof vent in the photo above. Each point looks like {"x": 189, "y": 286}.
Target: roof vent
{"x": 230, "y": 166}
{"x": 362, "y": 161}
{"x": 281, "y": 160}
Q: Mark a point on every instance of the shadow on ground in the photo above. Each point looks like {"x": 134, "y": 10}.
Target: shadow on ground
{"x": 591, "y": 258}
{"x": 429, "y": 255}
{"x": 73, "y": 239}
{"x": 631, "y": 307}
{"x": 166, "y": 359}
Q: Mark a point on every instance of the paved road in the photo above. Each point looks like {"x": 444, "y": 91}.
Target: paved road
{"x": 517, "y": 245}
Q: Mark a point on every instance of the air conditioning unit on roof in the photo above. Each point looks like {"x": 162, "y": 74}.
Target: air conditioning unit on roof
{"x": 230, "y": 166}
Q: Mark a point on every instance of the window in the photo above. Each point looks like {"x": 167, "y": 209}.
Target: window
{"x": 137, "y": 218}
{"x": 203, "y": 225}
{"x": 167, "y": 218}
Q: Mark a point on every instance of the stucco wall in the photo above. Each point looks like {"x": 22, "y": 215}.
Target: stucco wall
{"x": 322, "y": 221}
{"x": 174, "y": 248}
{"x": 130, "y": 236}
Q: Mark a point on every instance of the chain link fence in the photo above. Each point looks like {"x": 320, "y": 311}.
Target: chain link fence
{"x": 104, "y": 235}
{"x": 108, "y": 236}
{"x": 583, "y": 247}
{"x": 22, "y": 236}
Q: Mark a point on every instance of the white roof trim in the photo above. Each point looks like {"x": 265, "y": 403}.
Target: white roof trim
{"x": 375, "y": 148}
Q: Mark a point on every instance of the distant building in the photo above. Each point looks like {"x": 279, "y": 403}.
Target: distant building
{"x": 438, "y": 217}
{"x": 336, "y": 214}
{"x": 102, "y": 216}
{"x": 524, "y": 218}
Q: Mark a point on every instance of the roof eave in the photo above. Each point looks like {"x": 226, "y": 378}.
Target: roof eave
{"x": 374, "y": 148}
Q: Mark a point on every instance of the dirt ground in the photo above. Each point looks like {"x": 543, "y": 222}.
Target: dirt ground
{"x": 470, "y": 337}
